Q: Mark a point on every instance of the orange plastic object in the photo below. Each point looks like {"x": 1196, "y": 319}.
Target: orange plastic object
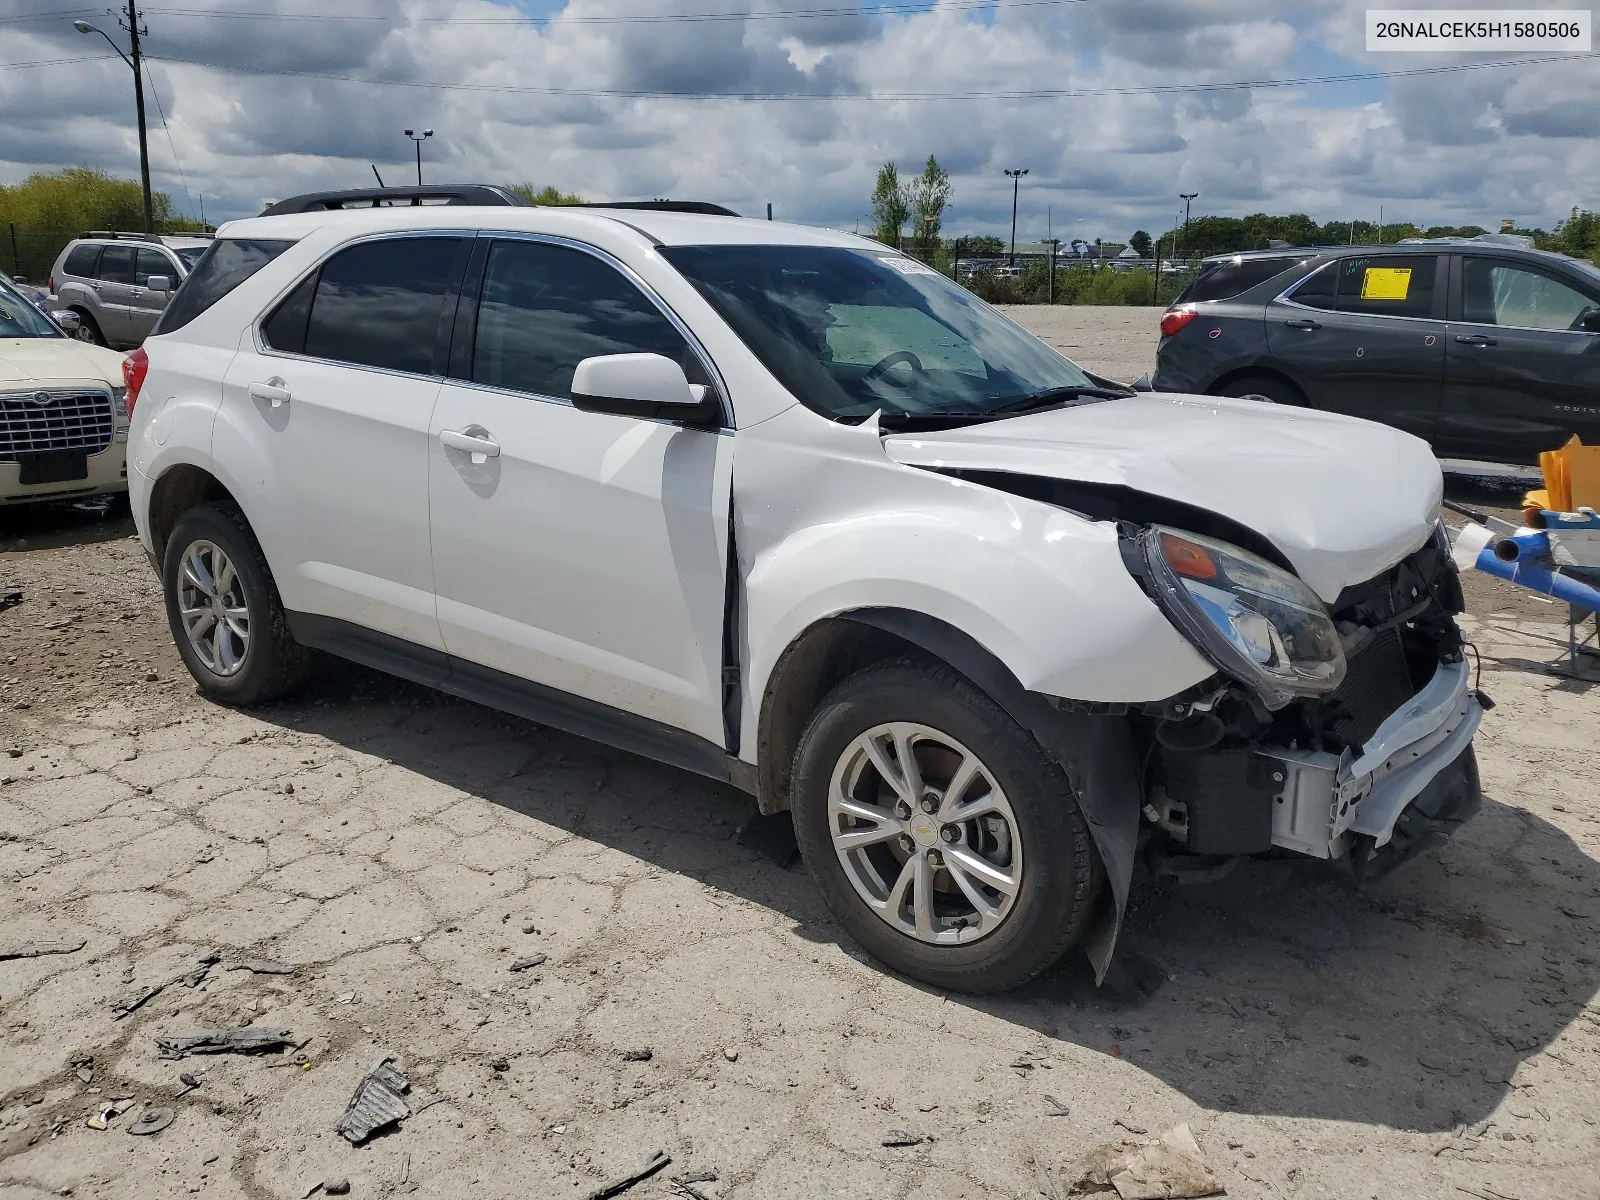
{"x": 1571, "y": 477}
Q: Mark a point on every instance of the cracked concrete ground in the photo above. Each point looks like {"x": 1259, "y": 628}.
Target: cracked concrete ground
{"x": 1433, "y": 1035}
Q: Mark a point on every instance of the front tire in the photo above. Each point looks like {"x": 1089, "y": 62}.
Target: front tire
{"x": 975, "y": 870}
{"x": 88, "y": 329}
{"x": 223, "y": 607}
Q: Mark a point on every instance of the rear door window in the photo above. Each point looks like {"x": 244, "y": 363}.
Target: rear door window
{"x": 381, "y": 304}
{"x": 1399, "y": 285}
{"x": 82, "y": 260}
{"x": 1228, "y": 278}
{"x": 116, "y": 264}
{"x": 1317, "y": 289}
{"x": 226, "y": 264}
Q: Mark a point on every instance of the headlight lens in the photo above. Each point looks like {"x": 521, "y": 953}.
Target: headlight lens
{"x": 1255, "y": 621}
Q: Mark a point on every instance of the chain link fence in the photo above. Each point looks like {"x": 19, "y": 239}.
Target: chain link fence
{"x": 30, "y": 252}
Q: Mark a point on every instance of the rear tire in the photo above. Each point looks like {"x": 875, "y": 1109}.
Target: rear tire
{"x": 89, "y": 329}
{"x": 223, "y": 607}
{"x": 1029, "y": 859}
{"x": 1264, "y": 387}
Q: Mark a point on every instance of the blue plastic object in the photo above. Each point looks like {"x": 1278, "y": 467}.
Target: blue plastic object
{"x": 1532, "y": 570}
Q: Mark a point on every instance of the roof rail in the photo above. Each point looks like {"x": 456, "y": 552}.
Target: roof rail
{"x": 703, "y": 207}
{"x": 110, "y": 233}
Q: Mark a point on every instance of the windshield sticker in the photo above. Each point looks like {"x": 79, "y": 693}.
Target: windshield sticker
{"x": 906, "y": 266}
{"x": 1386, "y": 283}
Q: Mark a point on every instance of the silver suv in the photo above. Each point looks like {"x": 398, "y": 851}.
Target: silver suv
{"x": 118, "y": 283}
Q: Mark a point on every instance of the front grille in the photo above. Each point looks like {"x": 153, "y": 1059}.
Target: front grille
{"x": 1377, "y": 681}
{"x": 41, "y": 420}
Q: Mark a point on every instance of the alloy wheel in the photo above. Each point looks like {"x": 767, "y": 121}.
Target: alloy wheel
{"x": 211, "y": 603}
{"x": 925, "y": 833}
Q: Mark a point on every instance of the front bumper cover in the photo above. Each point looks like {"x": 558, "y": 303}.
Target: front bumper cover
{"x": 1324, "y": 801}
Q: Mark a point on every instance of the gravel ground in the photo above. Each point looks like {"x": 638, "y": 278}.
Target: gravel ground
{"x": 1432, "y": 1035}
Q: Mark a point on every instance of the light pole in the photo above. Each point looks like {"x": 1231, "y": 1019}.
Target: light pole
{"x": 1016, "y": 182}
{"x": 138, "y": 99}
{"x": 1186, "y": 197}
{"x": 419, "y": 139}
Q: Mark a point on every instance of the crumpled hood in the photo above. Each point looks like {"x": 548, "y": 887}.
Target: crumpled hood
{"x": 48, "y": 361}
{"x": 1342, "y": 498}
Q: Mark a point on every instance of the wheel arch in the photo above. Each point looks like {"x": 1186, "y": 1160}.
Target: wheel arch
{"x": 178, "y": 489}
{"x": 1258, "y": 370}
{"x": 1096, "y": 749}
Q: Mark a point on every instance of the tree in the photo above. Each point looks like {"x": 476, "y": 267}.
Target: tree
{"x": 548, "y": 196}
{"x": 1578, "y": 235}
{"x": 986, "y": 246}
{"x": 1140, "y": 241}
{"x": 928, "y": 193}
{"x": 889, "y": 206}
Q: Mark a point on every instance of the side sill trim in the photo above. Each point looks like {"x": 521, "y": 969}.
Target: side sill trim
{"x": 533, "y": 701}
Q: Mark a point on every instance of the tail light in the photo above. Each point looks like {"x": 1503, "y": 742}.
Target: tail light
{"x": 1175, "y": 319}
{"x": 51, "y": 281}
{"x": 134, "y": 368}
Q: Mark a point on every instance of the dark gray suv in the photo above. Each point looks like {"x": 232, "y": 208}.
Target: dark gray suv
{"x": 1484, "y": 347}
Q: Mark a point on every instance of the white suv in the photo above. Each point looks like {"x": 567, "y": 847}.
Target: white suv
{"x": 788, "y": 509}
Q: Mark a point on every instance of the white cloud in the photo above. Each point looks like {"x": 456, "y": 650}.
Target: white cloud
{"x": 1471, "y": 146}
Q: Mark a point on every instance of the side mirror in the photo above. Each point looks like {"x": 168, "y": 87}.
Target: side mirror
{"x": 649, "y": 386}
{"x": 158, "y": 283}
{"x": 1589, "y": 319}
{"x": 1142, "y": 384}
{"x": 68, "y": 320}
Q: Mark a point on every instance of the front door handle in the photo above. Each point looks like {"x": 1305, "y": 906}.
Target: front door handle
{"x": 1474, "y": 339}
{"x": 274, "y": 391}
{"x": 1303, "y": 323}
{"x": 481, "y": 448}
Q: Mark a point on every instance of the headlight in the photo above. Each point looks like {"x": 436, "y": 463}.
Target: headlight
{"x": 1253, "y": 620}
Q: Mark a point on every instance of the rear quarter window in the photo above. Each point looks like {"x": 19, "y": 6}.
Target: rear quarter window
{"x": 82, "y": 260}
{"x": 226, "y": 264}
{"x": 1230, "y": 277}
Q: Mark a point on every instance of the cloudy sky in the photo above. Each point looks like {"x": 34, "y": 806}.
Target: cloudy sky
{"x": 797, "y": 102}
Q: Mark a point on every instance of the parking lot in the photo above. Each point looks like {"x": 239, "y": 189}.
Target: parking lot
{"x": 391, "y": 853}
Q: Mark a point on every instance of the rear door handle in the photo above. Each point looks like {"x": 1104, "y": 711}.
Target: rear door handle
{"x": 273, "y": 391}
{"x": 481, "y": 448}
{"x": 1303, "y": 323}
{"x": 1474, "y": 339}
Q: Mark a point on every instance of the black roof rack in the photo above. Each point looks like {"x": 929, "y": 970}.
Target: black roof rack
{"x": 396, "y": 197}
{"x": 144, "y": 237}
{"x": 703, "y": 207}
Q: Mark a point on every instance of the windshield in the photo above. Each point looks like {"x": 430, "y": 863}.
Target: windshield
{"x": 18, "y": 318}
{"x": 851, "y": 332}
{"x": 189, "y": 255}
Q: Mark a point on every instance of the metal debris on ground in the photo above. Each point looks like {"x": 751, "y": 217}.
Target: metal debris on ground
{"x": 378, "y": 1102}
{"x": 243, "y": 1040}
{"x": 902, "y": 1137}
{"x": 641, "y": 1054}
{"x": 151, "y": 1120}
{"x": 109, "y": 1112}
{"x": 187, "y": 1083}
{"x": 1137, "y": 1130}
{"x": 9, "y": 597}
{"x": 616, "y": 1187}
{"x": 1054, "y": 1108}
{"x": 684, "y": 1185}
{"x": 529, "y": 960}
{"x": 137, "y": 1000}
{"x": 40, "y": 949}
{"x": 1171, "y": 1167}
{"x": 261, "y": 966}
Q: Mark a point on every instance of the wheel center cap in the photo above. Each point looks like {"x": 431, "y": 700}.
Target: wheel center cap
{"x": 924, "y": 829}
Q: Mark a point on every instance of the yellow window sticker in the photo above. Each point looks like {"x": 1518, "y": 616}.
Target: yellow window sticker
{"x": 1386, "y": 283}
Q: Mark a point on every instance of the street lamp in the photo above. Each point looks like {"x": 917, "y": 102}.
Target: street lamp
{"x": 1186, "y": 197}
{"x": 138, "y": 100}
{"x": 419, "y": 139}
{"x": 1016, "y": 182}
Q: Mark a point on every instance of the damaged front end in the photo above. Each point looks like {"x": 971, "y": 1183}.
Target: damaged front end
{"x": 1339, "y": 731}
